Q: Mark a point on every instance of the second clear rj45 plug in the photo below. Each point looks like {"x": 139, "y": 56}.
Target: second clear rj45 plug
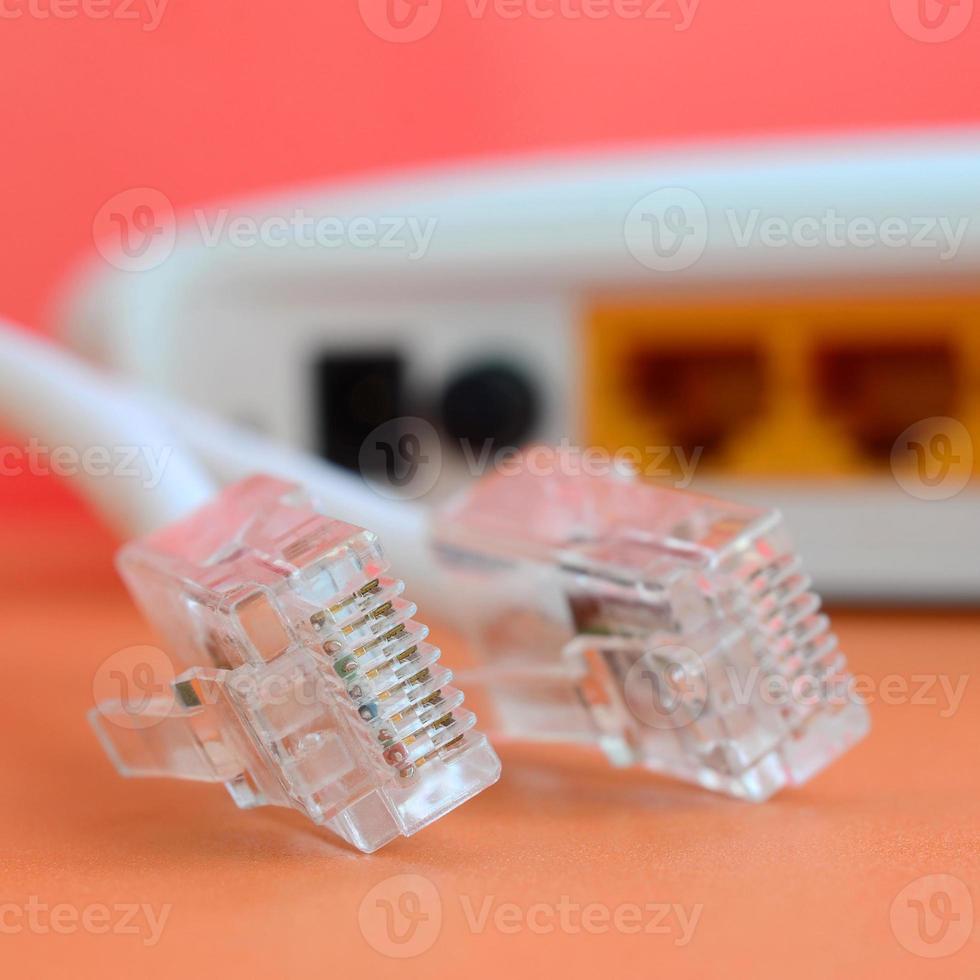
{"x": 308, "y": 684}
{"x": 676, "y": 631}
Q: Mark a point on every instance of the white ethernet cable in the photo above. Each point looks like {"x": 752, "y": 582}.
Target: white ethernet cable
{"x": 306, "y": 682}
{"x": 50, "y": 396}
{"x": 674, "y": 631}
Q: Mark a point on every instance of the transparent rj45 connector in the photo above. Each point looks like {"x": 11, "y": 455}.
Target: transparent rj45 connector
{"x": 675, "y": 631}
{"x": 307, "y": 682}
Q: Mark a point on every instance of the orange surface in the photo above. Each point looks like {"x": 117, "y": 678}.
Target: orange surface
{"x": 802, "y": 886}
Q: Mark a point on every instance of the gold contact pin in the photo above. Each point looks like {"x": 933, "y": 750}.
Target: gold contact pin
{"x": 407, "y": 655}
{"x": 347, "y": 630}
{"x": 319, "y": 619}
{"x": 417, "y": 679}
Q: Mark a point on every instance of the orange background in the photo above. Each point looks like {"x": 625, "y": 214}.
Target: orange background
{"x": 229, "y": 96}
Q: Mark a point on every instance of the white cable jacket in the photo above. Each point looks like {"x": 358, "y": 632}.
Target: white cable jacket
{"x": 51, "y": 397}
{"x": 232, "y": 453}
{"x": 176, "y": 456}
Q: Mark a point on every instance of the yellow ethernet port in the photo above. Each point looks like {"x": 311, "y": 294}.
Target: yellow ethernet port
{"x": 876, "y": 391}
{"x": 697, "y": 397}
{"x": 807, "y": 389}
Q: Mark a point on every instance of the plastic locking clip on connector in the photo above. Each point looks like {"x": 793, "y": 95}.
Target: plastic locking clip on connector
{"x": 306, "y": 682}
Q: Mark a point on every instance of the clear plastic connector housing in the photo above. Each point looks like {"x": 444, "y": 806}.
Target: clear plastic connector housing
{"x": 306, "y": 682}
{"x": 675, "y": 631}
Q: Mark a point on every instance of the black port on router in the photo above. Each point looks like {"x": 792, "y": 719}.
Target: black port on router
{"x": 877, "y": 390}
{"x": 354, "y": 393}
{"x": 697, "y": 397}
{"x": 494, "y": 404}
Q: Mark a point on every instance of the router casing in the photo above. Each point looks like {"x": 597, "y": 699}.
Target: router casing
{"x": 669, "y": 302}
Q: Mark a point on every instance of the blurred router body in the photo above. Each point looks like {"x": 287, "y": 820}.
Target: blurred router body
{"x": 770, "y": 318}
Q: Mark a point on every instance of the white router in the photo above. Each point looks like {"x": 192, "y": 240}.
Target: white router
{"x": 478, "y": 298}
